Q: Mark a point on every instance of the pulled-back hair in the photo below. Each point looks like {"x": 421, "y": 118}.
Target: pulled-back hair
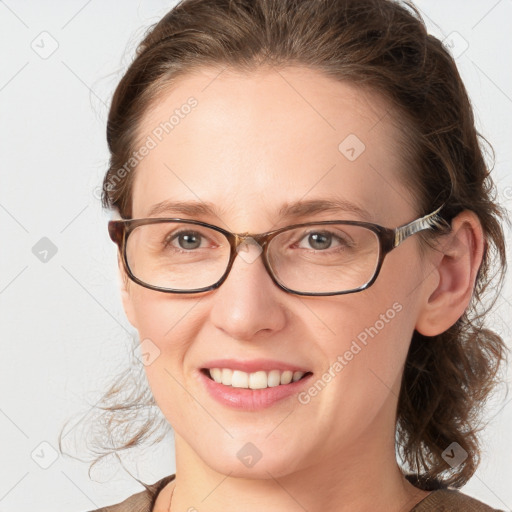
{"x": 383, "y": 46}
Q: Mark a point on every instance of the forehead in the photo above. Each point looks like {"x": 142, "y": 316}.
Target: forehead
{"x": 230, "y": 98}
{"x": 257, "y": 140}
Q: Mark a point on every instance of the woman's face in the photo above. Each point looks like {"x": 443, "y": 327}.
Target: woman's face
{"x": 250, "y": 144}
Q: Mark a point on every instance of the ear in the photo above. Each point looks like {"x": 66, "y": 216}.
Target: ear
{"x": 452, "y": 283}
{"x": 126, "y": 296}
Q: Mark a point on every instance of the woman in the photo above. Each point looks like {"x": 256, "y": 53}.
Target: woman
{"x": 293, "y": 366}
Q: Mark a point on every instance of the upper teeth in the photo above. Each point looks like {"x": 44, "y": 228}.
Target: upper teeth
{"x": 256, "y": 380}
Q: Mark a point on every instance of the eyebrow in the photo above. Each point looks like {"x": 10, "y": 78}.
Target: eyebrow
{"x": 287, "y": 211}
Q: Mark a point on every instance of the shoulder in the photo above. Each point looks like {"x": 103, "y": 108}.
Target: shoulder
{"x": 140, "y": 502}
{"x": 445, "y": 498}
{"x": 451, "y": 500}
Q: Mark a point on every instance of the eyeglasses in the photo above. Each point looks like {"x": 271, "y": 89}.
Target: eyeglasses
{"x": 331, "y": 257}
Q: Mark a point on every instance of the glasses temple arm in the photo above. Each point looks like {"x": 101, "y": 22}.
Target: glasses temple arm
{"x": 432, "y": 220}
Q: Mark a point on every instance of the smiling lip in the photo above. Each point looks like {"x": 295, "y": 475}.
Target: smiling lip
{"x": 254, "y": 365}
{"x": 251, "y": 399}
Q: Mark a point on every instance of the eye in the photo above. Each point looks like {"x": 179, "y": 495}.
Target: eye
{"x": 186, "y": 239}
{"x": 322, "y": 239}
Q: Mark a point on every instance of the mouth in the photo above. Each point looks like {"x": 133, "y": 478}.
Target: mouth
{"x": 255, "y": 380}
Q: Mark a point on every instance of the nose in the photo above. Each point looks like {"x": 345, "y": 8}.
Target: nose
{"x": 248, "y": 301}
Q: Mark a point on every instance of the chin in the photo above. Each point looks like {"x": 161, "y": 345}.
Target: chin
{"x": 251, "y": 460}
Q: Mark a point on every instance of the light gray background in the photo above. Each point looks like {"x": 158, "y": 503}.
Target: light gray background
{"x": 63, "y": 327}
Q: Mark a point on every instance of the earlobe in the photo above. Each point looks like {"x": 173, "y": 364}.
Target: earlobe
{"x": 462, "y": 253}
{"x": 126, "y": 296}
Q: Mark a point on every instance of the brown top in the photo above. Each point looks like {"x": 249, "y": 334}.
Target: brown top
{"x": 440, "y": 500}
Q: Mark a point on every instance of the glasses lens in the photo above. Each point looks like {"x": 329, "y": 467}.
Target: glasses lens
{"x": 177, "y": 255}
{"x": 319, "y": 258}
{"x": 324, "y": 258}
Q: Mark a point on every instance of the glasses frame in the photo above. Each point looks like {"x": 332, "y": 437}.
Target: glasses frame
{"x": 389, "y": 239}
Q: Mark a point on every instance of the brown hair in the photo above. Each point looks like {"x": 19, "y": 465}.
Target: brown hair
{"x": 383, "y": 46}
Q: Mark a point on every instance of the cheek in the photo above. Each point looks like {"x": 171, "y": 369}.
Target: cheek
{"x": 370, "y": 333}
{"x": 161, "y": 317}
{"x": 161, "y": 320}
{"x": 167, "y": 326}
{"x": 385, "y": 334}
